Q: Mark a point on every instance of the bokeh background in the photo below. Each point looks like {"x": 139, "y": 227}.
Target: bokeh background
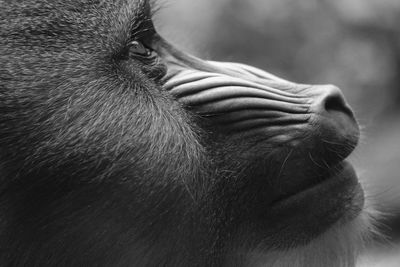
{"x": 354, "y": 44}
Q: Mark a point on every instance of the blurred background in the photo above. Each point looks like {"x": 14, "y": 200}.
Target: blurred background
{"x": 354, "y": 44}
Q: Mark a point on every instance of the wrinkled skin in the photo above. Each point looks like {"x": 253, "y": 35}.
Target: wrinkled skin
{"x": 119, "y": 150}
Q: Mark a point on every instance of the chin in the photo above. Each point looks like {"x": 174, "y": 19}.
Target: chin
{"x": 341, "y": 220}
{"x": 340, "y": 246}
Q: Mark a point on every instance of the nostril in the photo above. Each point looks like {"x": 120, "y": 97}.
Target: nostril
{"x": 334, "y": 102}
{"x": 336, "y": 122}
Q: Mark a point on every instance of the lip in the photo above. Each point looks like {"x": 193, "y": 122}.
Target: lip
{"x": 344, "y": 177}
{"x": 309, "y": 212}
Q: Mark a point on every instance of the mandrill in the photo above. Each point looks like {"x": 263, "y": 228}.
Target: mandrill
{"x": 117, "y": 149}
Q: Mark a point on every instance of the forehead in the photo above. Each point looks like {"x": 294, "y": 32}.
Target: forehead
{"x": 60, "y": 15}
{"x": 26, "y": 8}
{"x": 51, "y": 35}
{"x": 34, "y": 23}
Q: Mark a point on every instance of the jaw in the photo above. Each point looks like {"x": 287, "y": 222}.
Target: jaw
{"x": 298, "y": 218}
{"x": 330, "y": 229}
{"x": 305, "y": 215}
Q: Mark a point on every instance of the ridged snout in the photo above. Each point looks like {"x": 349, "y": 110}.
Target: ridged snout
{"x": 236, "y": 100}
{"x": 243, "y": 100}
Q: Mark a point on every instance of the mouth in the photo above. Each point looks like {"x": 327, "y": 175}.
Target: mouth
{"x": 338, "y": 198}
{"x": 342, "y": 183}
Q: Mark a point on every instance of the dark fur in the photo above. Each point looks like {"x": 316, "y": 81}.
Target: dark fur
{"x": 80, "y": 133}
{"x": 102, "y": 167}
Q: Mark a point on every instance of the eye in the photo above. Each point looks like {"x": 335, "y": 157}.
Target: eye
{"x": 136, "y": 48}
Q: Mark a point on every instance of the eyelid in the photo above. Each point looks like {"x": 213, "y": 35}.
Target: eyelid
{"x": 139, "y": 48}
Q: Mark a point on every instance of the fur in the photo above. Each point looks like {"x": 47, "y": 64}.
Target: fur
{"x": 101, "y": 167}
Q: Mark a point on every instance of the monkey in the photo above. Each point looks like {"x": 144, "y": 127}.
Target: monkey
{"x": 118, "y": 149}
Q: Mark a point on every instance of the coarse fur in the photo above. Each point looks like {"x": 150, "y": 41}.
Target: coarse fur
{"x": 76, "y": 128}
{"x": 102, "y": 167}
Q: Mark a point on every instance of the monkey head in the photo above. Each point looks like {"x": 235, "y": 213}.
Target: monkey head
{"x": 117, "y": 149}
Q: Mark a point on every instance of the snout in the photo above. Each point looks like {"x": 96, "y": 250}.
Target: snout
{"x": 240, "y": 100}
{"x": 288, "y": 141}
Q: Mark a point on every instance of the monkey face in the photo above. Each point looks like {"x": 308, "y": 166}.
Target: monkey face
{"x": 119, "y": 150}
